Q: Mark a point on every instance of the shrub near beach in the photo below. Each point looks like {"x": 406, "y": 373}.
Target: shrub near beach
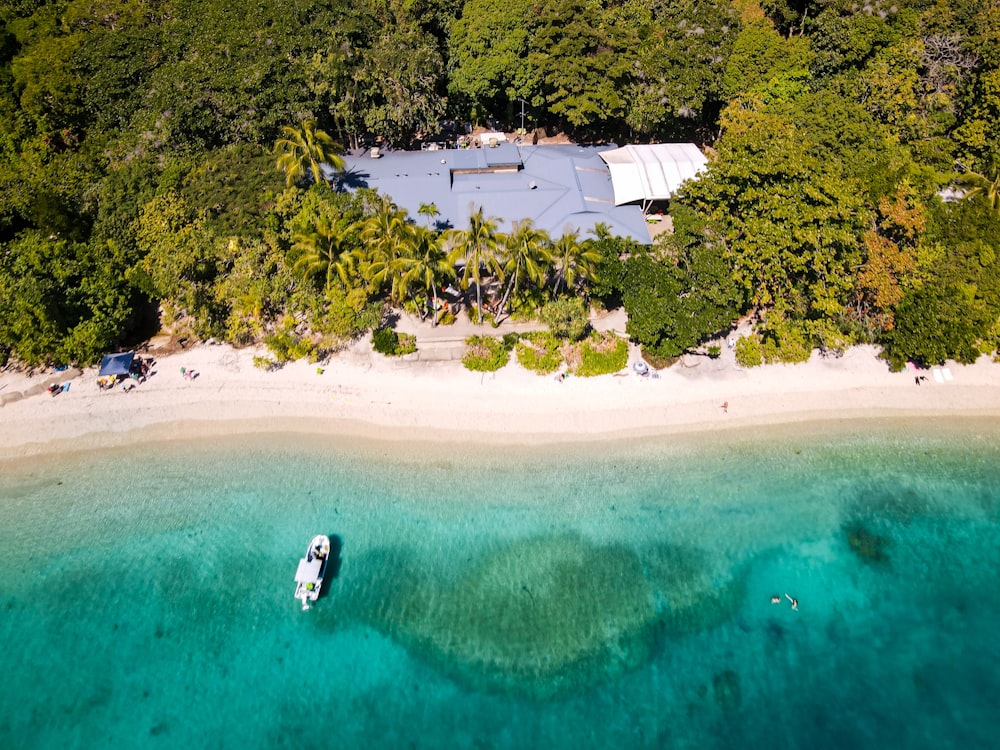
{"x": 487, "y": 353}
{"x": 601, "y": 354}
{"x": 539, "y": 351}
{"x": 392, "y": 344}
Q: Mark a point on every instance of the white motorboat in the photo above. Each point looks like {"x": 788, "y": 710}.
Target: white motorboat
{"x": 312, "y": 567}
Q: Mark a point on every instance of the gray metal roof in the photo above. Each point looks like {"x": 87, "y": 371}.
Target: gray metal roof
{"x": 560, "y": 188}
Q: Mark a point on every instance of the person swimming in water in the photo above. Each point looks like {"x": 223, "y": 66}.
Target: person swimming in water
{"x": 775, "y": 599}
{"x": 795, "y": 602}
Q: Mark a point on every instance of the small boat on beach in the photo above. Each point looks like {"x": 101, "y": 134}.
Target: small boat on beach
{"x": 312, "y": 567}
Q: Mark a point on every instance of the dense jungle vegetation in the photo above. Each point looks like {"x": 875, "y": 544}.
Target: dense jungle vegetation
{"x": 141, "y": 139}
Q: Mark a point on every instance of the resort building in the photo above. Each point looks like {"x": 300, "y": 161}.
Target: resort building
{"x": 560, "y": 188}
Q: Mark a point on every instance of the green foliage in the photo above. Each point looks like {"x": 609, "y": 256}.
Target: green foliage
{"x": 785, "y": 341}
{"x": 265, "y": 363}
{"x": 749, "y": 352}
{"x": 760, "y": 55}
{"x": 979, "y": 135}
{"x": 510, "y": 340}
{"x": 302, "y": 150}
{"x": 325, "y": 251}
{"x": 526, "y": 260}
{"x": 62, "y": 301}
{"x": 648, "y": 287}
{"x": 780, "y": 340}
{"x": 934, "y": 324}
{"x": 254, "y": 288}
{"x": 844, "y": 132}
{"x": 407, "y": 344}
{"x": 845, "y": 41}
{"x": 236, "y": 186}
{"x": 689, "y": 296}
{"x": 392, "y": 344}
{"x": 488, "y": 54}
{"x": 49, "y": 82}
{"x": 956, "y": 301}
{"x": 181, "y": 261}
{"x": 567, "y": 318}
{"x": 134, "y": 171}
{"x": 385, "y": 341}
{"x": 580, "y": 70}
{"x": 601, "y": 354}
{"x": 791, "y": 223}
{"x": 485, "y": 354}
{"x": 421, "y": 267}
{"x": 896, "y": 94}
{"x": 287, "y": 344}
{"x": 479, "y": 248}
{"x": 680, "y": 56}
{"x": 481, "y": 317}
{"x": 610, "y": 268}
{"x": 399, "y": 83}
{"x": 539, "y": 351}
{"x": 344, "y": 314}
{"x": 574, "y": 263}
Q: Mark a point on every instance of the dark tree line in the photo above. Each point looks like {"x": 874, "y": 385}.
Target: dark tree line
{"x": 137, "y": 179}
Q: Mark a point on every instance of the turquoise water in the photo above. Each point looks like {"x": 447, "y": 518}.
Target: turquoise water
{"x": 578, "y": 596}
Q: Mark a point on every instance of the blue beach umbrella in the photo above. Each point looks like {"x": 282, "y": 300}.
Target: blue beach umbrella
{"x": 116, "y": 364}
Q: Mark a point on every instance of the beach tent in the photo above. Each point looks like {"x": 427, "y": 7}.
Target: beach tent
{"x": 116, "y": 364}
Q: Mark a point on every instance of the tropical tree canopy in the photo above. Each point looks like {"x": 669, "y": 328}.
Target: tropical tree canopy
{"x": 138, "y": 146}
{"x": 303, "y": 151}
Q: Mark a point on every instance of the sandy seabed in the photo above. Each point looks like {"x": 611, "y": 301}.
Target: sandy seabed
{"x": 362, "y": 394}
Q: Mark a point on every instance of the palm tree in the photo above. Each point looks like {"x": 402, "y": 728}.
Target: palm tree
{"x": 478, "y": 246}
{"x": 573, "y": 262}
{"x": 430, "y": 210}
{"x": 528, "y": 256}
{"x": 385, "y": 235}
{"x": 326, "y": 250}
{"x": 373, "y": 202}
{"x": 423, "y": 266}
{"x": 303, "y": 150}
{"x": 977, "y": 184}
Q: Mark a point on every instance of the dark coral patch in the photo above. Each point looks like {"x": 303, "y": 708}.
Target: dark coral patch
{"x": 868, "y": 546}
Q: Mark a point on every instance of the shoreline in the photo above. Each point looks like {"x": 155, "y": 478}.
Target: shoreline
{"x": 362, "y": 395}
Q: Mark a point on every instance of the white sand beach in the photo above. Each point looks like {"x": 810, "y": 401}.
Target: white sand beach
{"x": 361, "y": 393}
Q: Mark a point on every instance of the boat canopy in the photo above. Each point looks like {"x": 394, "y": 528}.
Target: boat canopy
{"x": 116, "y": 364}
{"x": 308, "y": 572}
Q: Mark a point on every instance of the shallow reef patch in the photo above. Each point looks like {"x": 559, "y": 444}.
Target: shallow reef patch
{"x": 543, "y": 616}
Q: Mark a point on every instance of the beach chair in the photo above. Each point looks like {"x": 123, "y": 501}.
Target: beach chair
{"x": 946, "y": 372}
{"x": 938, "y": 377}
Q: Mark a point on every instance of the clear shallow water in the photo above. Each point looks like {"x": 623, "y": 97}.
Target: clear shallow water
{"x": 495, "y": 598}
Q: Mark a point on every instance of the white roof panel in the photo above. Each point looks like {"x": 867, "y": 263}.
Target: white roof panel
{"x": 653, "y": 172}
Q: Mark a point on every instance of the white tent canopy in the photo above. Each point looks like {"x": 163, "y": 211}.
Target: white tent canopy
{"x": 651, "y": 173}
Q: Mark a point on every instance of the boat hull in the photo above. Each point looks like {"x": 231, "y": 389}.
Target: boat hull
{"x": 312, "y": 569}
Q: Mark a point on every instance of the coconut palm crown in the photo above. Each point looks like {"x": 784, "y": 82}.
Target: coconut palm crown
{"x": 303, "y": 150}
